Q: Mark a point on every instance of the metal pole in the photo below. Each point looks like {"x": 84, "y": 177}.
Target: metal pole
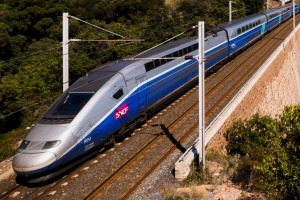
{"x": 230, "y": 8}
{"x": 65, "y": 51}
{"x": 201, "y": 92}
{"x": 267, "y": 4}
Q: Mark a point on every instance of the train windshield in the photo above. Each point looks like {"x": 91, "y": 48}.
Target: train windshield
{"x": 72, "y": 103}
{"x": 66, "y": 108}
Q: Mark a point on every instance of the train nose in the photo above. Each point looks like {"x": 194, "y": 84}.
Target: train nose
{"x": 29, "y": 162}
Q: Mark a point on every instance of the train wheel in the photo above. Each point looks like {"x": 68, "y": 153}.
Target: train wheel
{"x": 142, "y": 119}
{"x": 125, "y": 131}
{"x": 110, "y": 142}
{"x": 121, "y": 132}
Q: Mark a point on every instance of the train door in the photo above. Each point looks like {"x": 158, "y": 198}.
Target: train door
{"x": 263, "y": 28}
{"x": 280, "y": 18}
{"x": 142, "y": 92}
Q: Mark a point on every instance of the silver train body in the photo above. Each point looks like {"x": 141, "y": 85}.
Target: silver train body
{"x": 114, "y": 98}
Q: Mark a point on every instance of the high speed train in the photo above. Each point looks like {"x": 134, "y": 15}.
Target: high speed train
{"x": 115, "y": 97}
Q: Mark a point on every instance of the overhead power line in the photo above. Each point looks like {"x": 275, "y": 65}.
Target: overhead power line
{"x": 87, "y": 40}
{"x": 66, "y": 40}
{"x": 187, "y": 30}
{"x": 103, "y": 29}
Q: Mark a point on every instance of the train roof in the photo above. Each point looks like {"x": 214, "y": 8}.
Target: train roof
{"x": 97, "y": 77}
{"x": 239, "y": 21}
{"x": 92, "y": 81}
{"x": 272, "y": 11}
{"x": 170, "y": 45}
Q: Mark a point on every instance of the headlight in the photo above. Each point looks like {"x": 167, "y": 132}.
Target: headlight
{"x": 24, "y": 144}
{"x": 51, "y": 144}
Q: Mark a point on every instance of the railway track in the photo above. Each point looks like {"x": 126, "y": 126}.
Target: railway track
{"x": 169, "y": 133}
{"x": 107, "y": 190}
{"x": 10, "y": 193}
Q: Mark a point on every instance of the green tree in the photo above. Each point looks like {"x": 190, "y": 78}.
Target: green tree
{"x": 5, "y": 45}
{"x": 290, "y": 128}
{"x": 254, "y": 6}
{"x": 43, "y": 25}
{"x": 244, "y": 136}
{"x": 269, "y": 150}
{"x": 32, "y": 84}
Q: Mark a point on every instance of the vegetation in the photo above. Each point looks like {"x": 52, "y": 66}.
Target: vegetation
{"x": 219, "y": 168}
{"x": 269, "y": 152}
{"x": 263, "y": 156}
{"x": 228, "y": 164}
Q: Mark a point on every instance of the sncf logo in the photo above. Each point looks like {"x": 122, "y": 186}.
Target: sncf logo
{"x": 122, "y": 111}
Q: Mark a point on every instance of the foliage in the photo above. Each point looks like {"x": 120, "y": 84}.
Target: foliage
{"x": 6, "y": 149}
{"x": 32, "y": 79}
{"x": 175, "y": 198}
{"x": 197, "y": 174}
{"x": 254, "y": 6}
{"x": 269, "y": 150}
{"x": 217, "y": 157}
{"x": 245, "y": 136}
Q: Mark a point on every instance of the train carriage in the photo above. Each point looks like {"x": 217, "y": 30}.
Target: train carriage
{"x": 274, "y": 18}
{"x": 243, "y": 32}
{"x": 287, "y": 12}
{"x": 297, "y": 7}
{"x": 216, "y": 50}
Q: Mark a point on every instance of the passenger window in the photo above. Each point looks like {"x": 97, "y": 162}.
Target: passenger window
{"x": 169, "y": 56}
{"x": 243, "y": 29}
{"x": 185, "y": 50}
{"x": 163, "y": 61}
{"x": 181, "y": 52}
{"x": 239, "y": 31}
{"x": 157, "y": 63}
{"x": 149, "y": 66}
{"x": 118, "y": 94}
{"x": 195, "y": 47}
{"x": 175, "y": 54}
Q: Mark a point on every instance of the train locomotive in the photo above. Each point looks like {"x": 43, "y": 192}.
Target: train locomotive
{"x": 112, "y": 99}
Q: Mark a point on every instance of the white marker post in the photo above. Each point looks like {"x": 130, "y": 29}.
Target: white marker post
{"x": 65, "y": 45}
{"x": 230, "y": 10}
{"x": 201, "y": 93}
